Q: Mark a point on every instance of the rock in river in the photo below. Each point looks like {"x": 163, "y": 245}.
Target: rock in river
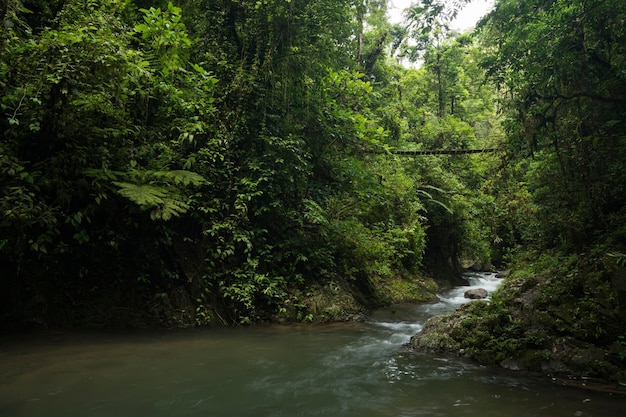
{"x": 476, "y": 294}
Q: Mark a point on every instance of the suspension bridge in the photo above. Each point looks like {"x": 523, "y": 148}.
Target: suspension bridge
{"x": 434, "y": 152}
{"x": 443, "y": 152}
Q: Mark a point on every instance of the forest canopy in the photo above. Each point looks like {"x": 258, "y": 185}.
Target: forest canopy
{"x": 220, "y": 162}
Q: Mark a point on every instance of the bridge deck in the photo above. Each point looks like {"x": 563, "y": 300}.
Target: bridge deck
{"x": 444, "y": 152}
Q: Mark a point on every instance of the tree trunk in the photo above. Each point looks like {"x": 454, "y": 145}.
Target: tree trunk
{"x": 373, "y": 56}
{"x": 440, "y": 92}
{"x": 360, "y": 16}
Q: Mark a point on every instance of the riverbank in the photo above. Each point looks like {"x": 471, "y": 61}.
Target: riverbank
{"x": 559, "y": 315}
{"x": 346, "y": 300}
{"x": 339, "y": 369}
{"x": 337, "y": 300}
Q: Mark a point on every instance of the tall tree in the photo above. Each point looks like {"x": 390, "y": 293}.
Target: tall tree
{"x": 94, "y": 111}
{"x": 560, "y": 65}
{"x": 429, "y": 24}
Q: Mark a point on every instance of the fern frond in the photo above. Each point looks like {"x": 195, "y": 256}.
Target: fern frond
{"x": 314, "y": 213}
{"x": 144, "y": 195}
{"x": 178, "y": 177}
{"x": 620, "y": 258}
{"x": 164, "y": 203}
{"x": 170, "y": 208}
{"x": 102, "y": 174}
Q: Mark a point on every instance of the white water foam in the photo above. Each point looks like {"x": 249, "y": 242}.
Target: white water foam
{"x": 456, "y": 296}
{"x": 400, "y": 332}
{"x": 410, "y": 320}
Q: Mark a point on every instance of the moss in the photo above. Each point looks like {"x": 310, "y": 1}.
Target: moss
{"x": 557, "y": 315}
{"x": 436, "y": 336}
{"x": 332, "y": 302}
{"x": 341, "y": 300}
{"x": 405, "y": 290}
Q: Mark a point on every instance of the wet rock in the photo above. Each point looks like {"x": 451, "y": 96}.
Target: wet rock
{"x": 512, "y": 364}
{"x": 548, "y": 329}
{"x": 476, "y": 294}
{"x": 503, "y": 274}
{"x": 435, "y": 336}
{"x": 442, "y": 334}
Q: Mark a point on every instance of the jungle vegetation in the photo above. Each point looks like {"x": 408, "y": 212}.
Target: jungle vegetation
{"x": 225, "y": 162}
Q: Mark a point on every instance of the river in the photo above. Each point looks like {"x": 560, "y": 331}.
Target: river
{"x": 344, "y": 369}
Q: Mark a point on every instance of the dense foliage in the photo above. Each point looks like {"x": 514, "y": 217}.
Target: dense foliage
{"x": 560, "y": 69}
{"x": 229, "y": 161}
{"x": 223, "y": 162}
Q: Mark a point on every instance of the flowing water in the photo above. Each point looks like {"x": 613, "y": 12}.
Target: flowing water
{"x": 348, "y": 369}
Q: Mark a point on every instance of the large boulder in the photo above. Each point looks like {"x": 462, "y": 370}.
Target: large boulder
{"x": 436, "y": 335}
{"x": 564, "y": 321}
{"x": 476, "y": 294}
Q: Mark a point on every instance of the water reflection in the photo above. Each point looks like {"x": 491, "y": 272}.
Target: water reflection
{"x": 349, "y": 369}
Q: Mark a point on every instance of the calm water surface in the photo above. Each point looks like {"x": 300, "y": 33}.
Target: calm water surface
{"x": 350, "y": 369}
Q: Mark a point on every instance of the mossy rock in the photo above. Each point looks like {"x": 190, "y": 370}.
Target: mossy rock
{"x": 333, "y": 302}
{"x": 435, "y": 336}
{"x": 563, "y": 320}
{"x": 445, "y": 333}
{"x": 398, "y": 290}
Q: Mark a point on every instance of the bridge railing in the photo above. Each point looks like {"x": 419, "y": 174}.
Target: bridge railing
{"x": 443, "y": 152}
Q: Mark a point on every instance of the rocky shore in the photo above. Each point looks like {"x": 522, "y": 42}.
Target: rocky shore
{"x": 565, "y": 321}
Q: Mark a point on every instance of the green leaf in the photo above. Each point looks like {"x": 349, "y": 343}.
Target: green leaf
{"x": 170, "y": 208}
{"x": 620, "y": 258}
{"x": 179, "y": 177}
{"x": 141, "y": 28}
{"x": 439, "y": 203}
{"x": 142, "y": 194}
